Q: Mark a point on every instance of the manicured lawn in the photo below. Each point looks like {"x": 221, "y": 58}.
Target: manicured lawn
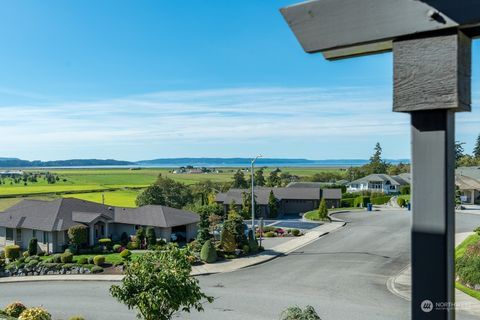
{"x": 459, "y": 252}
{"x": 313, "y": 215}
{"x": 109, "y": 257}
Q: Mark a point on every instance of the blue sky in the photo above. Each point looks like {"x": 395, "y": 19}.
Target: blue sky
{"x": 158, "y": 79}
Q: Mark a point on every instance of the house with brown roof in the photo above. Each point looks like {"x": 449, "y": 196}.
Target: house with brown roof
{"x": 49, "y": 221}
{"x": 467, "y": 180}
{"x": 289, "y": 200}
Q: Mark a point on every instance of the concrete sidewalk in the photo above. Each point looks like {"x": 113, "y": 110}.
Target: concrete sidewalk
{"x": 218, "y": 267}
{"x": 400, "y": 285}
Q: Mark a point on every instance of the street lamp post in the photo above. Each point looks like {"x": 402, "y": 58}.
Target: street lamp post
{"x": 253, "y": 194}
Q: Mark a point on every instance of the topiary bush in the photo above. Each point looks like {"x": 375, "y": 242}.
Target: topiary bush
{"x": 208, "y": 253}
{"x": 228, "y": 240}
{"x": 35, "y": 313}
{"x": 125, "y": 254}
{"x": 66, "y": 257}
{"x": 133, "y": 245}
{"x": 78, "y": 235}
{"x": 12, "y": 252}
{"x": 99, "y": 260}
{"x": 295, "y": 232}
{"x": 151, "y": 237}
{"x": 57, "y": 258}
{"x": 96, "y": 269}
{"x": 14, "y": 309}
{"x": 32, "y": 246}
{"x": 82, "y": 260}
{"x": 401, "y": 202}
{"x": 117, "y": 247}
{"x": 269, "y": 234}
{"x": 90, "y": 260}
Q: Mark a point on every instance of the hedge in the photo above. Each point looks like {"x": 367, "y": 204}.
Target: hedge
{"x": 347, "y": 203}
{"x": 99, "y": 260}
{"x": 66, "y": 257}
{"x": 361, "y": 201}
{"x": 380, "y": 200}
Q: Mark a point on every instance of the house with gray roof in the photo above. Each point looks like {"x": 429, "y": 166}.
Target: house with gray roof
{"x": 467, "y": 180}
{"x": 289, "y": 200}
{"x": 379, "y": 183}
{"x": 49, "y": 221}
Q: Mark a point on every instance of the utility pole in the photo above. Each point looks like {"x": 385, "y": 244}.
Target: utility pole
{"x": 253, "y": 193}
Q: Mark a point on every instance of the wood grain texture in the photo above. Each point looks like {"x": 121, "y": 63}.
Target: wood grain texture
{"x": 323, "y": 25}
{"x": 432, "y": 73}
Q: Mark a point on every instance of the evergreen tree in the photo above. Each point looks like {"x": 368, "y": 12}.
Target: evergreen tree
{"x": 203, "y": 228}
{"x": 272, "y": 205}
{"x": 322, "y": 210}
{"x": 259, "y": 178}
{"x": 273, "y": 179}
{"x": 239, "y": 180}
{"x": 377, "y": 164}
{"x": 476, "y": 150}
{"x": 151, "y": 237}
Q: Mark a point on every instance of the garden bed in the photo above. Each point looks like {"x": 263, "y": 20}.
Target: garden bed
{"x": 467, "y": 265}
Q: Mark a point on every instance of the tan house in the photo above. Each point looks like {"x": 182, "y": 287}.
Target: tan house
{"x": 49, "y": 221}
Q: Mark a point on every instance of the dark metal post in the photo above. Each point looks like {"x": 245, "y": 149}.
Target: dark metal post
{"x": 433, "y": 224}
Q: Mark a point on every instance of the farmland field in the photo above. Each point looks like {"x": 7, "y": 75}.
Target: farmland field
{"x": 120, "y": 186}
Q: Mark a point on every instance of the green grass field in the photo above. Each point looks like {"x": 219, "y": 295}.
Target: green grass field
{"x": 79, "y": 183}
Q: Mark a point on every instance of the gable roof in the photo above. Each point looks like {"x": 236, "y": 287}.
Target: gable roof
{"x": 384, "y": 178}
{"x": 332, "y": 194}
{"x": 61, "y": 214}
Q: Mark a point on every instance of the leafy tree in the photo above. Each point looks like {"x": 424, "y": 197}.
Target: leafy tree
{"x": 273, "y": 179}
{"x": 259, "y": 178}
{"x": 476, "y": 149}
{"x": 151, "y": 237}
{"x": 78, "y": 235}
{"x": 208, "y": 252}
{"x": 459, "y": 151}
{"x": 201, "y": 191}
{"x": 322, "y": 210}
{"x": 239, "y": 180}
{"x": 234, "y": 225}
{"x": 272, "y": 205}
{"x": 167, "y": 192}
{"x": 151, "y": 195}
{"x": 158, "y": 284}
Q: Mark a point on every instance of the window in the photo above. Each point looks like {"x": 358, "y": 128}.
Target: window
{"x": 45, "y": 237}
{"x": 9, "y": 234}
{"x": 19, "y": 235}
{"x": 34, "y": 233}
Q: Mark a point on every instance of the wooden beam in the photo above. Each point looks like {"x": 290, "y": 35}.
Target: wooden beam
{"x": 432, "y": 73}
{"x": 327, "y": 25}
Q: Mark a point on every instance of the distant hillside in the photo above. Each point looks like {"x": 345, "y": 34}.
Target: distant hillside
{"x": 18, "y": 163}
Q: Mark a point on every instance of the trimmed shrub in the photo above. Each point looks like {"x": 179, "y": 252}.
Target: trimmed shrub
{"x": 76, "y": 318}
{"x": 125, "y": 254}
{"x": 68, "y": 266}
{"x": 14, "y": 309}
{"x": 78, "y": 235}
{"x": 99, "y": 260}
{"x": 380, "y": 200}
{"x": 468, "y": 269}
{"x": 12, "y": 252}
{"x": 295, "y": 232}
{"x": 117, "y": 247}
{"x": 133, "y": 245}
{"x": 82, "y": 260}
{"x": 96, "y": 269}
{"x": 228, "y": 240}
{"x": 208, "y": 253}
{"x": 90, "y": 260}
{"x": 32, "y": 246}
{"x": 347, "y": 203}
{"x": 57, "y": 258}
{"x": 401, "y": 202}
{"x": 66, "y": 257}
{"x": 269, "y": 234}
{"x": 269, "y": 228}
{"x": 151, "y": 237}
{"x": 124, "y": 238}
{"x": 361, "y": 201}
{"x": 252, "y": 243}
{"x": 296, "y": 313}
{"x": 25, "y": 254}
{"x": 246, "y": 249}
{"x": 35, "y": 313}
{"x": 405, "y": 189}
{"x": 32, "y": 263}
{"x": 140, "y": 237}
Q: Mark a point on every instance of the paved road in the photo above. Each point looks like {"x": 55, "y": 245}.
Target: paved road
{"x": 342, "y": 275}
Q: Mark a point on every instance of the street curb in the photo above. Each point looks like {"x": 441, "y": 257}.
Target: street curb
{"x": 391, "y": 284}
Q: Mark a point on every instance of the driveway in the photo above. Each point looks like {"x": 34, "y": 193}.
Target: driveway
{"x": 343, "y": 275}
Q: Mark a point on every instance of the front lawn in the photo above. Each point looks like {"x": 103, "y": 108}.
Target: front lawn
{"x": 313, "y": 215}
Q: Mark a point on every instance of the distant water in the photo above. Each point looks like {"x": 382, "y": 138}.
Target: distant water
{"x": 227, "y": 163}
